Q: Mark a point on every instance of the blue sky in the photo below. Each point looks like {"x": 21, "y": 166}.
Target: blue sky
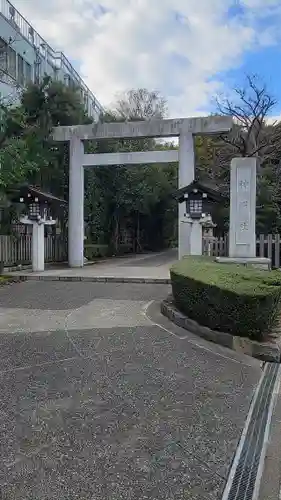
{"x": 266, "y": 64}
{"x": 189, "y": 50}
{"x": 264, "y": 61}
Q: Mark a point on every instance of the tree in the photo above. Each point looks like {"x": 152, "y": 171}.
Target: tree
{"x": 52, "y": 103}
{"x": 21, "y": 148}
{"x": 141, "y": 104}
{"x": 251, "y": 106}
{"x": 47, "y": 105}
{"x": 27, "y": 152}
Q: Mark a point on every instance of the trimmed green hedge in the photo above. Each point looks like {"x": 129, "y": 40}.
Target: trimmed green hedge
{"x": 236, "y": 299}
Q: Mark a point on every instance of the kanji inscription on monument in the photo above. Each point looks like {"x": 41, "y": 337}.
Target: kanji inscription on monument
{"x": 242, "y": 235}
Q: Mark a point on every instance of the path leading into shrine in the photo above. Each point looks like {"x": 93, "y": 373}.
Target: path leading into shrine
{"x": 101, "y": 397}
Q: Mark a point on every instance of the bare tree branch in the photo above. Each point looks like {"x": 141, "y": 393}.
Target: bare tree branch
{"x": 251, "y": 105}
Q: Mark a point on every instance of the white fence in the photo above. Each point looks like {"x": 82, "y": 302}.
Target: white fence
{"x": 267, "y": 246}
{"x": 16, "y": 250}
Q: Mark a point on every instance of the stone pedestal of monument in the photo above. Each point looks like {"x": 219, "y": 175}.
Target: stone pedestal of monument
{"x": 242, "y": 231}
{"x": 259, "y": 262}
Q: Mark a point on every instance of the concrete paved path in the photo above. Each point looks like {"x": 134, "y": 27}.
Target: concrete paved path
{"x": 102, "y": 398}
{"x": 153, "y": 266}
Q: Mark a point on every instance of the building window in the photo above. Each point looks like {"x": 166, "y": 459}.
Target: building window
{"x": 72, "y": 84}
{"x": 20, "y": 70}
{"x": 37, "y": 72}
{"x": 12, "y": 62}
{"x": 27, "y": 73}
{"x": 3, "y": 55}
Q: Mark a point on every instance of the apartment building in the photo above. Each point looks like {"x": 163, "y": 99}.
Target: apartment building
{"x": 25, "y": 56}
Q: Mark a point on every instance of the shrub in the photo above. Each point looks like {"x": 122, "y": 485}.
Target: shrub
{"x": 124, "y": 248}
{"x": 236, "y": 299}
{"x": 95, "y": 251}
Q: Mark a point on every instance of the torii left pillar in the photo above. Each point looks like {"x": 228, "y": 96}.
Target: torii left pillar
{"x": 186, "y": 175}
{"x": 76, "y": 204}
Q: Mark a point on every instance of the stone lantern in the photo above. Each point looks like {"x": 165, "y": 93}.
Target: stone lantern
{"x": 199, "y": 200}
{"x": 39, "y": 209}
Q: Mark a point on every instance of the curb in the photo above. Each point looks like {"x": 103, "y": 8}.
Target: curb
{"x": 93, "y": 279}
{"x": 48, "y": 265}
{"x": 266, "y": 351}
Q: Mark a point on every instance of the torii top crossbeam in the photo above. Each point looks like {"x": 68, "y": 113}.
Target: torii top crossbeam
{"x": 151, "y": 128}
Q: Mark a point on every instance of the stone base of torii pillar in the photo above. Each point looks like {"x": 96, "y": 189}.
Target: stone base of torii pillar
{"x": 38, "y": 241}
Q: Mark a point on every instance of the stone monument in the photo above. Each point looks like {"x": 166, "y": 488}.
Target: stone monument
{"x": 242, "y": 227}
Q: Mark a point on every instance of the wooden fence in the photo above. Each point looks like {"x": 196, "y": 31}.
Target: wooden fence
{"x": 215, "y": 247}
{"x": 15, "y": 250}
{"x": 267, "y": 246}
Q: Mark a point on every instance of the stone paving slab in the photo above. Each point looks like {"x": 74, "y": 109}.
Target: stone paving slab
{"x": 114, "y": 410}
{"x": 104, "y": 313}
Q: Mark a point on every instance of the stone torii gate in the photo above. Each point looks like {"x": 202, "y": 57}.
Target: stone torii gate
{"x": 184, "y": 128}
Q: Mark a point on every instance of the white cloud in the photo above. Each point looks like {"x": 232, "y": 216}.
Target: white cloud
{"x": 175, "y": 46}
{"x": 274, "y": 119}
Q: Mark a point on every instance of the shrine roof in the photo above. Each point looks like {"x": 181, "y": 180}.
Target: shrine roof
{"x": 24, "y": 189}
{"x": 211, "y": 189}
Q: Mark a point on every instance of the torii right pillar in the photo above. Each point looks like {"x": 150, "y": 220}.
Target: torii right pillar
{"x": 210, "y": 125}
